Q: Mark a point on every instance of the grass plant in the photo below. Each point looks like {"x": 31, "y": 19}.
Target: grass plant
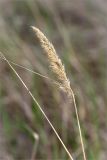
{"x": 62, "y": 81}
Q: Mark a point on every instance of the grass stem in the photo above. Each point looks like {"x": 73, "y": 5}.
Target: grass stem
{"x": 34, "y": 99}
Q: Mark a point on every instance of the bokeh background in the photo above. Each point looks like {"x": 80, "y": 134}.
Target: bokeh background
{"x": 78, "y": 30}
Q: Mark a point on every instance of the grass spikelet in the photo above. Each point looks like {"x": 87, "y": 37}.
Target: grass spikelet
{"x": 58, "y": 69}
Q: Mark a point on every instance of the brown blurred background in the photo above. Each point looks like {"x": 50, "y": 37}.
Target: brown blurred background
{"x": 78, "y": 30}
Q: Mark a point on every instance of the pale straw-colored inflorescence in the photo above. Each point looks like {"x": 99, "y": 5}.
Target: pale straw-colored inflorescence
{"x": 59, "y": 70}
{"x": 64, "y": 83}
{"x": 55, "y": 63}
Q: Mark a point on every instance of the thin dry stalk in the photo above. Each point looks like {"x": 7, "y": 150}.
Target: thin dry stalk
{"x": 36, "y": 142}
{"x": 59, "y": 70}
{"x": 40, "y": 108}
{"x": 32, "y": 71}
{"x": 34, "y": 151}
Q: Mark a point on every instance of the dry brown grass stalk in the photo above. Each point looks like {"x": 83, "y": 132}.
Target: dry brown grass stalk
{"x": 59, "y": 70}
{"x": 36, "y": 102}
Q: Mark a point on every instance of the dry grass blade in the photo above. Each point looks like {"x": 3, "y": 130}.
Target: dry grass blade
{"x": 32, "y": 71}
{"x": 2, "y": 55}
{"x": 59, "y": 70}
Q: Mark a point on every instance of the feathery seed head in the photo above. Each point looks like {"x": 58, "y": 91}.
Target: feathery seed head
{"x": 55, "y": 63}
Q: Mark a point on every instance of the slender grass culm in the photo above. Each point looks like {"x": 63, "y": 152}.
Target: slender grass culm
{"x": 40, "y": 108}
{"x": 32, "y": 71}
{"x": 59, "y": 70}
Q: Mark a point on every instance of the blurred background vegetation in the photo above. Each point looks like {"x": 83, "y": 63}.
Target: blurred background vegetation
{"x": 78, "y": 30}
